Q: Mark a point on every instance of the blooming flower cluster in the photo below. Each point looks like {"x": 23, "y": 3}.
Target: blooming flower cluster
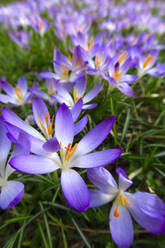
{"x": 48, "y": 143}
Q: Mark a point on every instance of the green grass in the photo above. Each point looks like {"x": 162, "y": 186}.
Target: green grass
{"x": 42, "y": 218}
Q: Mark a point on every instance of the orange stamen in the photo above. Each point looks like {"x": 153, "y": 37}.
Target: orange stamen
{"x": 50, "y": 128}
{"x": 64, "y": 70}
{"x": 79, "y": 29}
{"x": 51, "y": 90}
{"x": 41, "y": 25}
{"x": 117, "y": 75}
{"x": 63, "y": 29}
{"x": 123, "y": 57}
{"x": 69, "y": 151}
{"x": 116, "y": 213}
{"x": 44, "y": 129}
{"x": 148, "y": 59}
{"x": 18, "y": 93}
{"x": 98, "y": 61}
{"x": 76, "y": 98}
{"x": 70, "y": 58}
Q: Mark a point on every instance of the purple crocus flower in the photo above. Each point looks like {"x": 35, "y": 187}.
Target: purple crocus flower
{"x": 15, "y": 96}
{"x": 147, "y": 209}
{"x": 21, "y": 38}
{"x": 11, "y": 191}
{"x": 79, "y": 89}
{"x": 70, "y": 157}
{"x": 39, "y": 24}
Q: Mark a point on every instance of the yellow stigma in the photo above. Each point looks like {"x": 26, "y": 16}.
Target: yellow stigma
{"x": 76, "y": 98}
{"x": 69, "y": 151}
{"x": 49, "y": 126}
{"x": 123, "y": 57}
{"x": 65, "y": 70}
{"x": 98, "y": 61}
{"x": 147, "y": 61}
{"x": 123, "y": 201}
{"x": 51, "y": 90}
{"x": 41, "y": 24}
{"x": 18, "y": 93}
{"x": 91, "y": 42}
{"x": 116, "y": 75}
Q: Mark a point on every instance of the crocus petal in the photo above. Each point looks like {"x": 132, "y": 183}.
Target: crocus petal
{"x": 103, "y": 180}
{"x": 92, "y": 93}
{"x": 98, "y": 198}
{"x": 75, "y": 190}
{"x": 126, "y": 89}
{"x": 81, "y": 86}
{"x": 52, "y": 145}
{"x": 12, "y": 118}
{"x": 80, "y": 125}
{"x": 5, "y": 145}
{"x": 34, "y": 164}
{"x": 39, "y": 112}
{"x": 7, "y": 99}
{"x": 11, "y": 194}
{"x": 121, "y": 227}
{"x": 129, "y": 78}
{"x": 64, "y": 126}
{"x": 22, "y": 84}
{"x": 76, "y": 110}
{"x": 124, "y": 183}
{"x": 96, "y": 159}
{"x": 7, "y": 88}
{"x": 148, "y": 210}
{"x": 92, "y": 140}
{"x": 90, "y": 106}
{"x": 46, "y": 75}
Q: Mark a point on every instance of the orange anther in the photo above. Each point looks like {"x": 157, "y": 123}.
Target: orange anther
{"x": 148, "y": 60}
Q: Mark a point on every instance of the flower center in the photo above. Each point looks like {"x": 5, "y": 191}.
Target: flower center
{"x": 98, "y": 61}
{"x": 51, "y": 90}
{"x": 18, "y": 93}
{"x": 116, "y": 75}
{"x": 76, "y": 98}
{"x": 49, "y": 124}
{"x": 65, "y": 70}
{"x": 91, "y": 42}
{"x": 69, "y": 151}
{"x": 147, "y": 61}
{"x": 120, "y": 199}
{"x": 123, "y": 57}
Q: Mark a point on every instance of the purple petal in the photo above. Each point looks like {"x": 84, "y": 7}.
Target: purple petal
{"x": 34, "y": 164}
{"x": 6, "y": 99}
{"x": 90, "y": 106}
{"x": 96, "y": 159}
{"x": 5, "y": 145}
{"x": 126, "y": 89}
{"x": 103, "y": 180}
{"x": 46, "y": 75}
{"x": 148, "y": 210}
{"x": 98, "y": 198}
{"x": 92, "y": 140}
{"x": 92, "y": 93}
{"x": 64, "y": 126}
{"x": 121, "y": 227}
{"x": 13, "y": 119}
{"x": 22, "y": 84}
{"x": 80, "y": 125}
{"x": 81, "y": 86}
{"x": 75, "y": 190}
{"x": 124, "y": 183}
{"x": 76, "y": 110}
{"x": 11, "y": 194}
{"x": 40, "y": 111}
{"x": 120, "y": 170}
{"x": 51, "y": 145}
{"x": 8, "y": 88}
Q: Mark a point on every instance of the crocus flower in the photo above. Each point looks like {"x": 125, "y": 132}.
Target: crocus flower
{"x": 39, "y": 24}
{"x": 11, "y": 191}
{"x": 21, "y": 38}
{"x": 79, "y": 89}
{"x": 15, "y": 96}
{"x": 147, "y": 209}
{"x": 71, "y": 156}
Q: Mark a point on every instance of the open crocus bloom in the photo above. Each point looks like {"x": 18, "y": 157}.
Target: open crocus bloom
{"x": 63, "y": 154}
{"x": 147, "y": 209}
{"x": 11, "y": 191}
{"x": 15, "y": 96}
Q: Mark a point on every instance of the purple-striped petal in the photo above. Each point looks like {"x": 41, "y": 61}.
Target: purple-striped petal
{"x": 148, "y": 210}
{"x": 126, "y": 89}
{"x": 81, "y": 86}
{"x": 11, "y": 194}
{"x": 103, "y": 180}
{"x": 96, "y": 159}
{"x": 22, "y": 84}
{"x": 92, "y": 93}
{"x": 7, "y": 99}
{"x": 64, "y": 126}
{"x": 76, "y": 110}
{"x": 51, "y": 145}
{"x": 90, "y": 106}
{"x": 121, "y": 227}
{"x": 46, "y": 75}
{"x": 75, "y": 190}
{"x": 124, "y": 183}
{"x": 8, "y": 88}
{"x": 80, "y": 125}
{"x": 98, "y": 198}
{"x": 34, "y": 164}
{"x": 96, "y": 136}
{"x": 39, "y": 112}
